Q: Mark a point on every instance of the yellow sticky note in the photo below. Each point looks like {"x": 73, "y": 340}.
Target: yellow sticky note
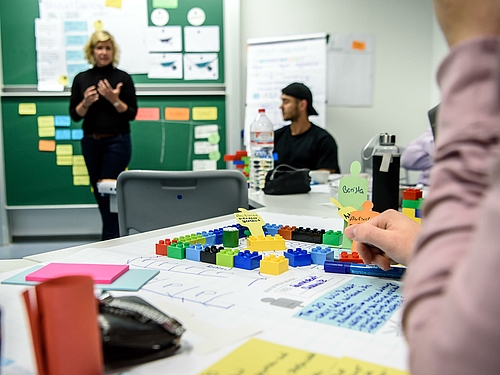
{"x": 251, "y": 220}
{"x": 47, "y": 132}
{"x": 64, "y": 160}
{"x": 27, "y": 109}
{"x": 348, "y": 366}
{"x": 45, "y": 121}
{"x": 114, "y": 3}
{"x": 81, "y": 180}
{"x": 79, "y": 170}
{"x": 204, "y": 113}
{"x": 78, "y": 160}
{"x": 258, "y": 357}
{"x": 65, "y": 150}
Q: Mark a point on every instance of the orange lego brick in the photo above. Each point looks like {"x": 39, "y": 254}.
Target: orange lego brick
{"x": 286, "y": 231}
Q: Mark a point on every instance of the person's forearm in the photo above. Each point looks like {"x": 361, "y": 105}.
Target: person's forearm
{"x": 435, "y": 318}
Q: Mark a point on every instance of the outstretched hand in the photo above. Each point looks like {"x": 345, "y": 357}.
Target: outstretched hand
{"x": 386, "y": 239}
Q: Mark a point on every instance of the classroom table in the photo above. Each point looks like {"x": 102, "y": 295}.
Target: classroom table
{"x": 222, "y": 308}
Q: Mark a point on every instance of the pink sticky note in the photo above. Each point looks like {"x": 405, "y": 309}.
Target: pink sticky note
{"x": 148, "y": 114}
{"x": 100, "y": 273}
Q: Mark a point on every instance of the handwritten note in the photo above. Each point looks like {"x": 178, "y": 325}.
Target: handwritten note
{"x": 262, "y": 357}
{"x": 204, "y": 113}
{"x": 353, "y": 190}
{"x": 351, "y": 366}
{"x": 360, "y": 304}
{"x": 251, "y": 220}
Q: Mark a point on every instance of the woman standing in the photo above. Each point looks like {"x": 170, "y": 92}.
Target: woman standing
{"x": 104, "y": 97}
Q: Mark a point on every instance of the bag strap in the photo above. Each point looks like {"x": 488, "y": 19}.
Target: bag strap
{"x": 285, "y": 167}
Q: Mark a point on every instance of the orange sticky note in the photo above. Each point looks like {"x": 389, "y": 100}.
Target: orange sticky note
{"x": 179, "y": 114}
{"x": 148, "y": 114}
{"x": 358, "y": 45}
{"x": 48, "y": 146}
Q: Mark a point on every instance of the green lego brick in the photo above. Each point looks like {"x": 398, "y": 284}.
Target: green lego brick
{"x": 226, "y": 257}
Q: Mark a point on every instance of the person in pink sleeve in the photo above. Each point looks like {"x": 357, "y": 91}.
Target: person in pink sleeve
{"x": 452, "y": 286}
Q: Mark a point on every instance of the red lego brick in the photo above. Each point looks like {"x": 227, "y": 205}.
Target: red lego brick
{"x": 161, "y": 248}
{"x": 412, "y": 194}
{"x": 350, "y": 258}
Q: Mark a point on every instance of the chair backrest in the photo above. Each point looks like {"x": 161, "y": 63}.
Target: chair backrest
{"x": 149, "y": 200}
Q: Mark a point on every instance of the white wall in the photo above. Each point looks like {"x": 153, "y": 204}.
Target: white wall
{"x": 405, "y": 48}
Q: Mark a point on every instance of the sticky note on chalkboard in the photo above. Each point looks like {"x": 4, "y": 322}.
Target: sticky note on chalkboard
{"x": 81, "y": 180}
{"x": 27, "y": 109}
{"x": 178, "y": 114}
{"x": 46, "y": 145}
{"x": 65, "y": 150}
{"x": 64, "y": 160}
{"x": 45, "y": 121}
{"x": 204, "y": 113}
{"x": 46, "y": 132}
{"x": 169, "y": 4}
{"x": 148, "y": 114}
{"x": 78, "y": 160}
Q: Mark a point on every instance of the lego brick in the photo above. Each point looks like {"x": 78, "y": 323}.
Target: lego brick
{"x": 272, "y": 229}
{"x": 178, "y": 250}
{"x": 418, "y": 213}
{"x": 225, "y": 257}
{"x": 410, "y": 203}
{"x": 308, "y": 235}
{"x": 161, "y": 247}
{"x": 333, "y": 238}
{"x": 298, "y": 257}
{"x": 286, "y": 231}
{"x": 210, "y": 237}
{"x": 193, "y": 252}
{"x": 247, "y": 260}
{"x": 209, "y": 254}
{"x": 218, "y": 236}
{"x": 412, "y": 194}
{"x": 267, "y": 243}
{"x": 273, "y": 265}
{"x": 410, "y": 212}
{"x": 320, "y": 254}
{"x": 350, "y": 258}
{"x": 230, "y": 237}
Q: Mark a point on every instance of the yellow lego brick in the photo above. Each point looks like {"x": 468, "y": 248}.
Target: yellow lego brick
{"x": 410, "y": 212}
{"x": 274, "y": 265}
{"x": 267, "y": 243}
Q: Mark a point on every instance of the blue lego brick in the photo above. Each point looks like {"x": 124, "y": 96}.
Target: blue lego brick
{"x": 333, "y": 238}
{"x": 418, "y": 213}
{"x": 193, "y": 252}
{"x": 241, "y": 230}
{"x": 320, "y": 254}
{"x": 247, "y": 260}
{"x": 209, "y": 254}
{"x": 298, "y": 257}
{"x": 271, "y": 229}
{"x": 308, "y": 235}
{"x": 218, "y": 236}
{"x": 209, "y": 237}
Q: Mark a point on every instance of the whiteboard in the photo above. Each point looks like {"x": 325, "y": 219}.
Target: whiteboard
{"x": 274, "y": 63}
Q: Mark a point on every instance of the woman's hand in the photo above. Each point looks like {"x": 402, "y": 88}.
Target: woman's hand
{"x": 107, "y": 91}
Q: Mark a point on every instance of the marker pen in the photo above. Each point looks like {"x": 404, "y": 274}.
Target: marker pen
{"x": 363, "y": 269}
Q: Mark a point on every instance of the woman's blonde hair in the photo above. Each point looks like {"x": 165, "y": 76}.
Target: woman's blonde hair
{"x": 100, "y": 36}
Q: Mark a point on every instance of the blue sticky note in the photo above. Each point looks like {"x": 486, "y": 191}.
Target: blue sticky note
{"x": 76, "y": 134}
{"x": 63, "y": 134}
{"x": 62, "y": 121}
{"x": 132, "y": 280}
{"x": 360, "y": 304}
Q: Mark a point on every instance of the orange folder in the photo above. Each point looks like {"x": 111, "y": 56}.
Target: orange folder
{"x": 63, "y": 319}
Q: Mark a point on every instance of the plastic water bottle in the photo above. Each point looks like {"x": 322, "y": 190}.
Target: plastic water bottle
{"x": 261, "y": 150}
{"x": 386, "y": 164}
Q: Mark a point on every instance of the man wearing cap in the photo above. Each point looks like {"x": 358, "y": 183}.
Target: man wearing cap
{"x": 303, "y": 144}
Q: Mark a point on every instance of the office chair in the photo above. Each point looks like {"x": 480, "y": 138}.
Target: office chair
{"x": 149, "y": 200}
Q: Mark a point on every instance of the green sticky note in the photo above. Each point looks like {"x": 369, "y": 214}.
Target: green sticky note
{"x": 353, "y": 190}
{"x": 214, "y": 138}
{"x": 169, "y": 4}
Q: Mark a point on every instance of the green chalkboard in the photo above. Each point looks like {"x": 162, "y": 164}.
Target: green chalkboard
{"x": 18, "y": 38}
{"x": 32, "y": 177}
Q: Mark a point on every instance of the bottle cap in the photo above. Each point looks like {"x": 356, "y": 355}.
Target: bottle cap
{"x": 387, "y": 139}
